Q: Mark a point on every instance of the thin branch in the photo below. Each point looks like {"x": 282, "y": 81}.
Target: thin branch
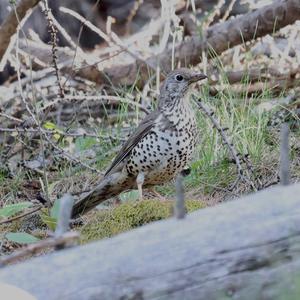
{"x": 10, "y": 25}
{"x": 216, "y": 12}
{"x": 284, "y": 155}
{"x": 179, "y": 208}
{"x": 62, "y": 30}
{"x": 228, "y": 10}
{"x": 65, "y": 209}
{"x": 53, "y": 32}
{"x": 20, "y": 216}
{"x": 69, "y": 156}
{"x": 112, "y": 38}
{"x": 65, "y": 239}
{"x": 64, "y": 218}
{"x": 33, "y": 130}
{"x": 238, "y": 162}
{"x": 109, "y": 99}
{"x": 35, "y": 119}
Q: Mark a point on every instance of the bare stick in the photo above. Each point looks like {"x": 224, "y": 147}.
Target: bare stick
{"x": 113, "y": 38}
{"x": 179, "y": 208}
{"x": 68, "y": 155}
{"x": 284, "y": 155}
{"x": 219, "y": 37}
{"x": 64, "y": 217}
{"x": 62, "y": 30}
{"x": 228, "y": 10}
{"x": 65, "y": 209}
{"x": 216, "y": 12}
{"x": 20, "y": 216}
{"x": 10, "y": 25}
{"x": 103, "y": 98}
{"x": 241, "y": 174}
{"x": 11, "y": 118}
{"x": 66, "y": 238}
{"x": 61, "y": 133}
{"x": 53, "y": 32}
{"x": 35, "y": 119}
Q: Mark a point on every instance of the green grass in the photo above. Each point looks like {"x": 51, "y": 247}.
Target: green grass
{"x": 211, "y": 169}
{"x": 247, "y": 128}
{"x": 10, "y": 187}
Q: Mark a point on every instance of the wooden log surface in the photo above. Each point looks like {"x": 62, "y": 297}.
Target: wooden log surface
{"x": 243, "y": 249}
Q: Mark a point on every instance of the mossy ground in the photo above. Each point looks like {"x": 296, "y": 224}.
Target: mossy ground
{"x": 129, "y": 215}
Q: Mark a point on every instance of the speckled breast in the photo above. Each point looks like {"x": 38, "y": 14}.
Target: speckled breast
{"x": 164, "y": 152}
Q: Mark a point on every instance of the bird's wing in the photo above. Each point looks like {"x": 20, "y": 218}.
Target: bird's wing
{"x": 142, "y": 130}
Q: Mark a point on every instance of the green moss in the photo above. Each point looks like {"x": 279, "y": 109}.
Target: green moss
{"x": 130, "y": 215}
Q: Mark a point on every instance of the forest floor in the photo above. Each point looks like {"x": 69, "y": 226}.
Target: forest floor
{"x": 78, "y": 146}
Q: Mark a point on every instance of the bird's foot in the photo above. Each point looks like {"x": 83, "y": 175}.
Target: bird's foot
{"x": 157, "y": 194}
{"x": 139, "y": 181}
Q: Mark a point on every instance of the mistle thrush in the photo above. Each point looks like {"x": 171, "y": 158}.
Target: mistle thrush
{"x": 160, "y": 148}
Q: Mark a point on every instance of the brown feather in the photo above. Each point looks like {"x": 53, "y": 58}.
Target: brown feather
{"x": 142, "y": 130}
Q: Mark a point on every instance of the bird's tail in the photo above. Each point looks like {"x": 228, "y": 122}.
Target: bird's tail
{"x": 110, "y": 186}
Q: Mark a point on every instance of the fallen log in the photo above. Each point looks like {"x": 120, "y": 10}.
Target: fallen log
{"x": 243, "y": 249}
{"x": 217, "y": 39}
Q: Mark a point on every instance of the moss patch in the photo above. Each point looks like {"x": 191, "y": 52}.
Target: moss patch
{"x": 129, "y": 215}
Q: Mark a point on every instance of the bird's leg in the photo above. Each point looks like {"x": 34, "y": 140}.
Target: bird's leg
{"x": 157, "y": 194}
{"x": 139, "y": 181}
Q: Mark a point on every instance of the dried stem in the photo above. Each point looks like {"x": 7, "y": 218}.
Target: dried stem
{"x": 52, "y": 132}
{"x": 53, "y": 32}
{"x": 64, "y": 218}
{"x": 69, "y": 156}
{"x": 228, "y": 10}
{"x": 284, "y": 155}
{"x": 216, "y": 12}
{"x": 65, "y": 239}
{"x": 20, "y": 216}
{"x": 179, "y": 208}
{"x": 9, "y": 27}
{"x": 235, "y": 155}
{"x": 35, "y": 119}
{"x": 65, "y": 209}
{"x": 113, "y": 38}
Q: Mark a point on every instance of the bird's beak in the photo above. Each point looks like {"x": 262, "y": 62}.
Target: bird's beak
{"x": 196, "y": 77}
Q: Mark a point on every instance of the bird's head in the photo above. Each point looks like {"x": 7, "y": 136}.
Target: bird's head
{"x": 178, "y": 83}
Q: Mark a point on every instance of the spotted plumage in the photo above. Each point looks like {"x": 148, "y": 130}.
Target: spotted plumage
{"x": 168, "y": 149}
{"x": 161, "y": 146}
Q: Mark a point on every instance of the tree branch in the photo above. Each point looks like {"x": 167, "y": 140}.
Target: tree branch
{"x": 10, "y": 25}
{"x": 217, "y": 39}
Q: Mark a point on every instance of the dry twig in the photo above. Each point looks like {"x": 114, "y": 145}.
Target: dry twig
{"x": 284, "y": 155}
{"x": 20, "y": 216}
{"x": 65, "y": 209}
{"x": 219, "y": 37}
{"x": 179, "y": 208}
{"x": 61, "y": 238}
{"x": 235, "y": 155}
{"x": 64, "y": 217}
{"x": 112, "y": 38}
{"x": 53, "y": 32}
{"x": 10, "y": 25}
{"x": 65, "y": 239}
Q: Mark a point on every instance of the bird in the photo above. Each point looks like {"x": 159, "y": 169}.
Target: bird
{"x": 161, "y": 146}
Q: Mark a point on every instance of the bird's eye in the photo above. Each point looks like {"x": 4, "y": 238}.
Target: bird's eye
{"x": 179, "y": 77}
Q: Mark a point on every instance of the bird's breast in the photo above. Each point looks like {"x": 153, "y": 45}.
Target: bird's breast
{"x": 165, "y": 151}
